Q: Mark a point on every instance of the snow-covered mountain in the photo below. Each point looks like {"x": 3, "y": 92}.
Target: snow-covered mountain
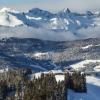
{"x": 37, "y": 23}
{"x": 64, "y": 19}
{"x": 7, "y": 19}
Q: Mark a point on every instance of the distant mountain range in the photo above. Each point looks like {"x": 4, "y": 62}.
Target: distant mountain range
{"x": 37, "y": 23}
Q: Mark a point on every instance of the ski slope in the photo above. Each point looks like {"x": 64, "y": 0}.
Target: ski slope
{"x": 93, "y": 90}
{"x": 93, "y": 86}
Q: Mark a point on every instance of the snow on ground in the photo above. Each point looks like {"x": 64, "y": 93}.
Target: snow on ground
{"x": 6, "y": 9}
{"x": 93, "y": 86}
{"x": 56, "y": 71}
{"x": 93, "y": 80}
{"x": 39, "y": 54}
{"x": 93, "y": 90}
{"x": 7, "y": 19}
{"x": 86, "y": 47}
{"x": 89, "y": 46}
{"x": 97, "y": 68}
{"x": 36, "y": 75}
{"x": 33, "y": 18}
{"x": 59, "y": 78}
{"x": 82, "y": 64}
{"x": 3, "y": 70}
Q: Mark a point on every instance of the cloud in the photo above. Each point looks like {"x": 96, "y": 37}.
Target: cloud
{"x": 29, "y": 32}
{"x": 45, "y": 34}
{"x": 90, "y": 32}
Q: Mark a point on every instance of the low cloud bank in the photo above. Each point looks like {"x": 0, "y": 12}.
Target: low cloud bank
{"x": 29, "y": 32}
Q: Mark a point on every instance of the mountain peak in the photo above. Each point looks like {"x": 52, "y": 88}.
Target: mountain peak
{"x": 89, "y": 13}
{"x": 66, "y": 10}
{"x": 6, "y": 9}
{"x": 41, "y": 13}
{"x": 36, "y": 10}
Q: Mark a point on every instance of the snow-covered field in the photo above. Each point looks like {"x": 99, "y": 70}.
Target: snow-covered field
{"x": 93, "y": 83}
{"x": 82, "y": 64}
{"x": 58, "y": 77}
{"x": 4, "y": 70}
{"x": 93, "y": 90}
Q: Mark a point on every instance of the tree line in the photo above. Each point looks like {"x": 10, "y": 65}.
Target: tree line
{"x": 16, "y": 85}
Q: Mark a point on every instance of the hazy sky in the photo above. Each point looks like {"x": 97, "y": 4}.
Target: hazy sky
{"x": 75, "y": 5}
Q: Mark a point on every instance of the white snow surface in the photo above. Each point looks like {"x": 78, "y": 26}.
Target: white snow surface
{"x": 97, "y": 68}
{"x": 59, "y": 78}
{"x": 33, "y": 18}
{"x": 89, "y": 46}
{"x": 7, "y": 19}
{"x": 93, "y": 87}
{"x": 86, "y": 47}
{"x": 5, "y": 9}
{"x": 81, "y": 64}
{"x": 40, "y": 54}
{"x": 4, "y": 70}
{"x": 93, "y": 90}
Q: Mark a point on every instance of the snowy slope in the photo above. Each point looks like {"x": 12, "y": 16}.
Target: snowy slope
{"x": 4, "y": 70}
{"x": 7, "y": 19}
{"x": 90, "y": 46}
{"x": 59, "y": 77}
{"x": 93, "y": 87}
{"x": 93, "y": 90}
{"x": 85, "y": 64}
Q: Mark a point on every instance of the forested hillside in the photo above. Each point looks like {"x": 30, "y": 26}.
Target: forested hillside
{"x": 45, "y": 87}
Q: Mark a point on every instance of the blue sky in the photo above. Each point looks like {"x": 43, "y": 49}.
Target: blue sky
{"x": 53, "y": 5}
